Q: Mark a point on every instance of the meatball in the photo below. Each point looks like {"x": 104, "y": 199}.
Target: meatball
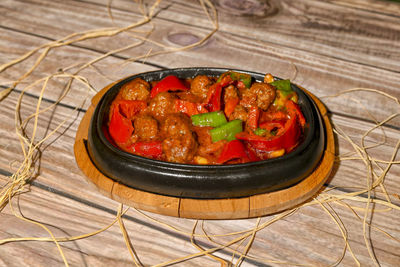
{"x": 176, "y": 125}
{"x": 137, "y": 89}
{"x": 260, "y": 94}
{"x": 200, "y": 85}
{"x": 230, "y": 92}
{"x": 180, "y": 149}
{"x": 265, "y": 94}
{"x": 239, "y": 113}
{"x": 146, "y": 127}
{"x": 203, "y": 135}
{"x": 161, "y": 105}
{"x": 179, "y": 144}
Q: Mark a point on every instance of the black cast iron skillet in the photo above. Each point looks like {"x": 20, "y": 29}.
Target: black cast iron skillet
{"x": 205, "y": 181}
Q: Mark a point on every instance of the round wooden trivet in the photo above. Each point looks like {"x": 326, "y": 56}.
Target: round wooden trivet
{"x": 234, "y": 208}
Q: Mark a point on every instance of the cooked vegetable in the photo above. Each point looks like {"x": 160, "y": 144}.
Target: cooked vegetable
{"x": 213, "y": 119}
{"x": 230, "y": 105}
{"x": 283, "y": 86}
{"x": 213, "y": 101}
{"x": 169, "y": 83}
{"x": 189, "y": 108}
{"x": 233, "y": 150}
{"x": 284, "y": 93}
{"x": 260, "y": 131}
{"x": 226, "y": 131}
{"x": 151, "y": 149}
{"x": 253, "y": 117}
{"x": 287, "y": 139}
{"x": 120, "y": 127}
{"x": 122, "y": 112}
{"x": 283, "y": 134}
{"x": 243, "y": 78}
{"x": 207, "y": 120}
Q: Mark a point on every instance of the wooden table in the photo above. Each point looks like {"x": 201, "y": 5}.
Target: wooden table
{"x": 324, "y": 46}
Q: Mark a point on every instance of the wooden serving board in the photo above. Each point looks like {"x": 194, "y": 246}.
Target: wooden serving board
{"x": 232, "y": 208}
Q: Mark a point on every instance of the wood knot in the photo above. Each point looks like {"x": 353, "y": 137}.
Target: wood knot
{"x": 183, "y": 38}
{"x": 247, "y": 8}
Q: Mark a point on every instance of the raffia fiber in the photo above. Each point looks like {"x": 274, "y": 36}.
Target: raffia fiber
{"x": 359, "y": 201}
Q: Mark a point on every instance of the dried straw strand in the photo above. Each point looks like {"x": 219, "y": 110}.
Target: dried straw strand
{"x": 29, "y": 146}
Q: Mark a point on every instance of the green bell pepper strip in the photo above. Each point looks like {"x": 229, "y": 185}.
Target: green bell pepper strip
{"x": 226, "y": 131}
{"x": 236, "y": 76}
{"x": 260, "y": 131}
{"x": 284, "y": 86}
{"x": 284, "y": 93}
{"x": 213, "y": 119}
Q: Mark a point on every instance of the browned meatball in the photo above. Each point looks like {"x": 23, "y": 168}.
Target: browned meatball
{"x": 180, "y": 149}
{"x": 265, "y": 94}
{"x": 239, "y": 113}
{"x": 200, "y": 85}
{"x": 203, "y": 135}
{"x": 161, "y": 105}
{"x": 248, "y": 98}
{"x": 260, "y": 94}
{"x": 176, "y": 125}
{"x": 179, "y": 144}
{"x": 230, "y": 92}
{"x": 137, "y": 89}
{"x": 146, "y": 127}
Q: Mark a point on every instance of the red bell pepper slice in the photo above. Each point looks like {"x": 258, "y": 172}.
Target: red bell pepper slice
{"x": 213, "y": 100}
{"x": 169, "y": 83}
{"x": 120, "y": 127}
{"x": 252, "y": 117}
{"x": 189, "y": 108}
{"x": 226, "y": 80}
{"x": 293, "y": 108}
{"x": 288, "y": 138}
{"x": 276, "y": 115}
{"x": 129, "y": 108}
{"x": 230, "y": 105}
{"x": 151, "y": 149}
{"x": 233, "y": 150}
{"x": 278, "y": 125}
{"x": 251, "y": 153}
{"x": 122, "y": 112}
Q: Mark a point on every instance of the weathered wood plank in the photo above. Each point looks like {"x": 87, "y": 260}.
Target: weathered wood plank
{"x": 74, "y": 219}
{"x": 360, "y": 49}
{"x": 354, "y": 34}
{"x": 98, "y": 76}
{"x": 318, "y": 73}
{"x": 390, "y": 7}
{"x": 280, "y": 241}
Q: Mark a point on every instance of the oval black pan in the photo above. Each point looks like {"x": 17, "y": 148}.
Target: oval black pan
{"x": 205, "y": 181}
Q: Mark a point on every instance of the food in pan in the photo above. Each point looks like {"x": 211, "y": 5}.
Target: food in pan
{"x": 207, "y": 120}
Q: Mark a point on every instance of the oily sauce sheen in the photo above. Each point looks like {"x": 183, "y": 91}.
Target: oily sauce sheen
{"x": 208, "y": 120}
